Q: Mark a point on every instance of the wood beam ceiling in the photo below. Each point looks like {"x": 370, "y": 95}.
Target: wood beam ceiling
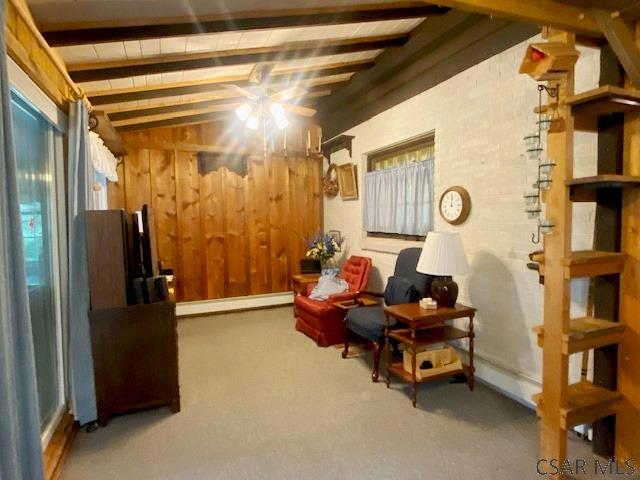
{"x": 187, "y": 88}
{"x": 174, "y": 122}
{"x": 175, "y": 63}
{"x": 434, "y": 53}
{"x": 86, "y": 33}
{"x": 541, "y": 12}
{"x": 622, "y": 41}
{"x": 136, "y": 113}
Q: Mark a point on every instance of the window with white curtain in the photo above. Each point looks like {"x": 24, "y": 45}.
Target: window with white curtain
{"x": 398, "y": 190}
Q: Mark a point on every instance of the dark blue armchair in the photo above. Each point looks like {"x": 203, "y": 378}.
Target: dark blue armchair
{"x": 405, "y": 286}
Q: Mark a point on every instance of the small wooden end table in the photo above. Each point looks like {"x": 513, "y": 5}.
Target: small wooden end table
{"x": 299, "y": 281}
{"x": 426, "y": 327}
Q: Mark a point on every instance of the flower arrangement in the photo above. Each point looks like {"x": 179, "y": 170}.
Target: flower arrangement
{"x": 324, "y": 247}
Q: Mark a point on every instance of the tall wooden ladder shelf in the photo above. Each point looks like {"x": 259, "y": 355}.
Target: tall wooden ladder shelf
{"x": 562, "y": 406}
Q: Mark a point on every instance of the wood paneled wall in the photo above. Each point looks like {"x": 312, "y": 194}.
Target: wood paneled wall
{"x": 225, "y": 235}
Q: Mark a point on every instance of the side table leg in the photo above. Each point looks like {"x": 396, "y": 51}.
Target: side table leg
{"x": 414, "y": 386}
{"x": 472, "y": 369}
{"x": 387, "y": 347}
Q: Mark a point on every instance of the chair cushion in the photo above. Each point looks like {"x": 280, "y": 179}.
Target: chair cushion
{"x": 355, "y": 272}
{"x": 400, "y": 290}
{"x": 368, "y": 322}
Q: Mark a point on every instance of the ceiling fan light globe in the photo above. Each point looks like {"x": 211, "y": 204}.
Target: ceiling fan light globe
{"x": 279, "y": 116}
{"x": 253, "y": 122}
{"x": 244, "y": 111}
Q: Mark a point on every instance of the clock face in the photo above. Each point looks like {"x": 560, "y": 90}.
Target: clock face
{"x": 455, "y": 205}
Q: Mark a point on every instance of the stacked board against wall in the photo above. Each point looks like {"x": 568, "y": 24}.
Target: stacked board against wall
{"x": 225, "y": 235}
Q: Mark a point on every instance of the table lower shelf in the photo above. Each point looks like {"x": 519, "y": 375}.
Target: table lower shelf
{"x": 398, "y": 370}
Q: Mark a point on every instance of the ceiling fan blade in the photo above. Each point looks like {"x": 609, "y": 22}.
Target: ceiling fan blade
{"x": 299, "y": 109}
{"x": 288, "y": 94}
{"x": 243, "y": 92}
{"x": 260, "y": 72}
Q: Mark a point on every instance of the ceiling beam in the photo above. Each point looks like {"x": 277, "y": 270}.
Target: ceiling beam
{"x": 436, "y": 52}
{"x": 186, "y": 88}
{"x": 174, "y": 122}
{"x": 311, "y": 83}
{"x": 622, "y": 42}
{"x": 293, "y": 18}
{"x": 541, "y": 12}
{"x": 176, "y": 63}
{"x": 218, "y": 103}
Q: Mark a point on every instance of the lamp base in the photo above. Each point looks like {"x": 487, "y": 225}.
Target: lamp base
{"x": 444, "y": 291}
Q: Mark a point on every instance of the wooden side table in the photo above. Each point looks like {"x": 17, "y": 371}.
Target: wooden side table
{"x": 299, "y": 281}
{"x": 426, "y": 327}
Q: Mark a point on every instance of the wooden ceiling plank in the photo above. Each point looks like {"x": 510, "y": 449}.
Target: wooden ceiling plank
{"x": 187, "y": 89}
{"x": 622, "y": 42}
{"x": 176, "y": 63}
{"x": 541, "y": 12}
{"x": 330, "y": 16}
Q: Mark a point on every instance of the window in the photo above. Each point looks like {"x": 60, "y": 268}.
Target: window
{"x": 398, "y": 190}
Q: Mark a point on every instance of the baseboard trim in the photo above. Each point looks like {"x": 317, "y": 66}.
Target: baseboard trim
{"x": 232, "y": 304}
{"x": 515, "y": 385}
{"x": 55, "y": 455}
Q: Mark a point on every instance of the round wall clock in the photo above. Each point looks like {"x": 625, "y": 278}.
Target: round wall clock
{"x": 455, "y": 205}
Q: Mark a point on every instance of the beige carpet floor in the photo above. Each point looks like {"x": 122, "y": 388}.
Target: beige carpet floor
{"x": 261, "y": 401}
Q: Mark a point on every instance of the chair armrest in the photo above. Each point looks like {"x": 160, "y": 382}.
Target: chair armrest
{"x": 339, "y": 297}
{"x": 371, "y": 294}
{"x": 308, "y": 288}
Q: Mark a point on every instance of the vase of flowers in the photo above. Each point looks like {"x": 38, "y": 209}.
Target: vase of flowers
{"x": 324, "y": 247}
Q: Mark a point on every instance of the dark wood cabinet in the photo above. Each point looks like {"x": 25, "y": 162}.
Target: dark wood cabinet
{"x": 134, "y": 346}
{"x": 135, "y": 358}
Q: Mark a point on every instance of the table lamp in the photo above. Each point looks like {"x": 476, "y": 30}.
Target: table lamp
{"x": 443, "y": 256}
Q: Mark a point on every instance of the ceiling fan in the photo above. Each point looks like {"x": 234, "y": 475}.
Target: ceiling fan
{"x": 261, "y": 105}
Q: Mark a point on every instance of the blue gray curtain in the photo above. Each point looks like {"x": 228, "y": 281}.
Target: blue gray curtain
{"x": 80, "y": 194}
{"x": 20, "y": 447}
{"x": 399, "y": 200}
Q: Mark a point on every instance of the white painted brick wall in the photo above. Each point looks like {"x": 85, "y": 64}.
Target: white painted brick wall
{"x": 479, "y": 117}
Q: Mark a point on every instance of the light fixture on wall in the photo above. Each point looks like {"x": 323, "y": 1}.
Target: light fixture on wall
{"x": 535, "y": 151}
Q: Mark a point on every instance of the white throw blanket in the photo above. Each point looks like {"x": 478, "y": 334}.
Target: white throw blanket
{"x": 328, "y": 285}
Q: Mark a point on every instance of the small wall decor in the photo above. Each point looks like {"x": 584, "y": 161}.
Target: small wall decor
{"x": 455, "y": 205}
{"x": 337, "y": 237}
{"x": 347, "y": 181}
{"x": 547, "y": 61}
{"x": 535, "y": 151}
{"x": 330, "y": 181}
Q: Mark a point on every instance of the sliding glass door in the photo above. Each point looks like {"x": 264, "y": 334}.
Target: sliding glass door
{"x": 35, "y": 151}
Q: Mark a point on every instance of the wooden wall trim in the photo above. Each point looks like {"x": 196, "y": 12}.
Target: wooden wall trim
{"x": 27, "y": 47}
{"x": 55, "y": 455}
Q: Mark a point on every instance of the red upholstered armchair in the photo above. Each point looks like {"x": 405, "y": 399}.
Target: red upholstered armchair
{"x": 320, "y": 319}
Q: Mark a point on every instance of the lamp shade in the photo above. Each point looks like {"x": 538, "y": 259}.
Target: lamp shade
{"x": 443, "y": 255}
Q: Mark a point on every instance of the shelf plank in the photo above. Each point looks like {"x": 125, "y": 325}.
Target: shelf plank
{"x": 586, "y": 403}
{"x": 398, "y": 370}
{"x": 586, "y": 333}
{"x": 584, "y": 189}
{"x": 587, "y": 106}
{"x": 587, "y": 263}
{"x": 428, "y": 336}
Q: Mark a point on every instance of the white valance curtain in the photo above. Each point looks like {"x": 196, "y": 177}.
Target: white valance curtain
{"x": 399, "y": 200}
{"x": 102, "y": 159}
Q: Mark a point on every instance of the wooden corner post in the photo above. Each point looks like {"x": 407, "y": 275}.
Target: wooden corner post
{"x": 627, "y": 445}
{"x": 557, "y": 288}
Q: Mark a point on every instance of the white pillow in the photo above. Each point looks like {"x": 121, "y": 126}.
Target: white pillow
{"x": 328, "y": 285}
